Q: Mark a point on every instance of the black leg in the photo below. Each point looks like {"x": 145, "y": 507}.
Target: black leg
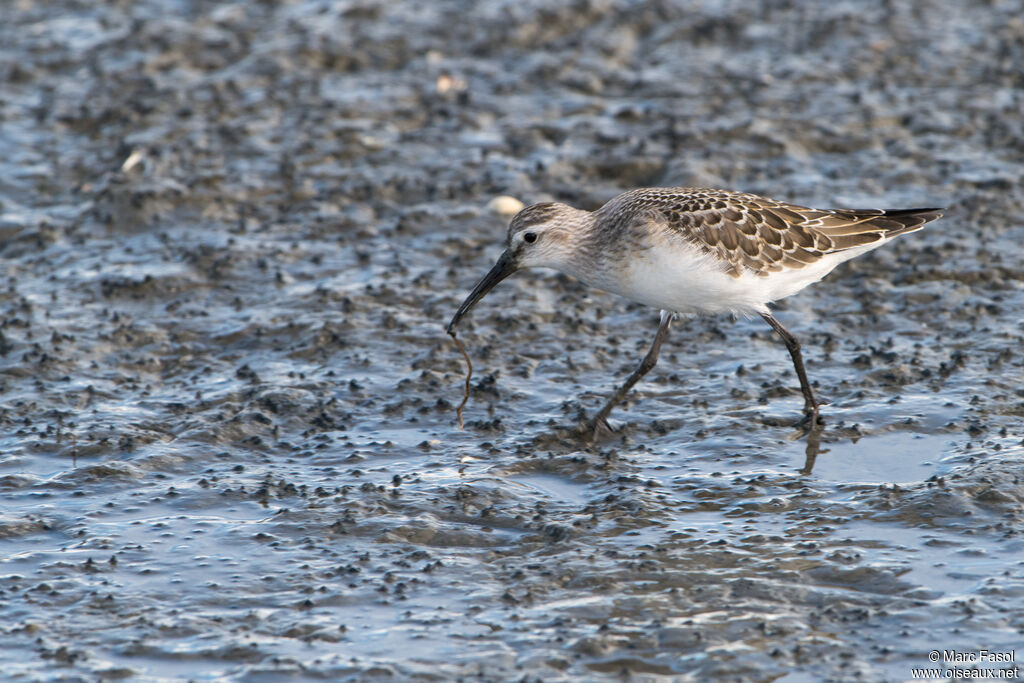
{"x": 645, "y": 366}
{"x": 811, "y": 414}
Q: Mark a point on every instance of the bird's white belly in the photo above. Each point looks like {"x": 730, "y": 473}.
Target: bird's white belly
{"x": 681, "y": 279}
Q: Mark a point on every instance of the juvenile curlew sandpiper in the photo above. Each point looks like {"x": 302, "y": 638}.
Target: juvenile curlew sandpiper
{"x": 689, "y": 251}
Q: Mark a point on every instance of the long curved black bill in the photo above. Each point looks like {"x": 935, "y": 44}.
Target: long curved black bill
{"x": 501, "y": 270}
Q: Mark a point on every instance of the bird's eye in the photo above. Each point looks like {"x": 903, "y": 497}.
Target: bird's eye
{"x": 530, "y": 237}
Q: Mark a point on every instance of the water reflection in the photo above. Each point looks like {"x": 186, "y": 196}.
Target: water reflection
{"x": 813, "y": 448}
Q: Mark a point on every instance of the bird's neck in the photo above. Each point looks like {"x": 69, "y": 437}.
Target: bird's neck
{"x": 583, "y": 246}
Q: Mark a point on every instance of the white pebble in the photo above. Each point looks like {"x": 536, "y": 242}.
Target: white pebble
{"x": 504, "y": 205}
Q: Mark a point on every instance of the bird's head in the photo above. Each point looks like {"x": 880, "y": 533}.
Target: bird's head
{"x": 539, "y": 235}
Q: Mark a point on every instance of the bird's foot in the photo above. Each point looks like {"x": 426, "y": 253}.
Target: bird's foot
{"x": 593, "y": 430}
{"x": 812, "y": 418}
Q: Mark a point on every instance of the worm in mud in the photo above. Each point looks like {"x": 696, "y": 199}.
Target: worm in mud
{"x": 469, "y": 374}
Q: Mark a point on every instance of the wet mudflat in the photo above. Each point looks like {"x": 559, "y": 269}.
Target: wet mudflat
{"x": 231, "y": 235}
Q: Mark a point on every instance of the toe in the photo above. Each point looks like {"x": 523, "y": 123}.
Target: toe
{"x": 595, "y": 429}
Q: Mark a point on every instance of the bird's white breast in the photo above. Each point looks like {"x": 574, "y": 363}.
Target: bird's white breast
{"x": 677, "y": 277}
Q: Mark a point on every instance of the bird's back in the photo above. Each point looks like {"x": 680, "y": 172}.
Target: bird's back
{"x": 752, "y": 234}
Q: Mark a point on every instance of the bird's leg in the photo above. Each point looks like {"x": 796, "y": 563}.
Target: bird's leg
{"x": 645, "y": 366}
{"x": 811, "y": 414}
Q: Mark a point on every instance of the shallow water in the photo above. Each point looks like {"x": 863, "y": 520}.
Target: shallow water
{"x": 232, "y": 235}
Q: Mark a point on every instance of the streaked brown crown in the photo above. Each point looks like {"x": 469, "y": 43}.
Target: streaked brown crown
{"x": 535, "y": 214}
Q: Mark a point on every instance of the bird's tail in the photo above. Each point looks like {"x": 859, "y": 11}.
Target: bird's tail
{"x": 850, "y": 228}
{"x": 895, "y": 222}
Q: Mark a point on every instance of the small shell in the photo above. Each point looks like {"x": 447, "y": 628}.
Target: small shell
{"x": 505, "y": 205}
{"x": 133, "y": 160}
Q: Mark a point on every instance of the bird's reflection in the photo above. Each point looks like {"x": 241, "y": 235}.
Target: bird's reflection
{"x": 813, "y": 436}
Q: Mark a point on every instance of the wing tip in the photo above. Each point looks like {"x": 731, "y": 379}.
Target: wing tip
{"x": 929, "y": 214}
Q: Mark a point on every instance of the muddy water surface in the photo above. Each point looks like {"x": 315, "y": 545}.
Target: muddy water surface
{"x": 231, "y": 235}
